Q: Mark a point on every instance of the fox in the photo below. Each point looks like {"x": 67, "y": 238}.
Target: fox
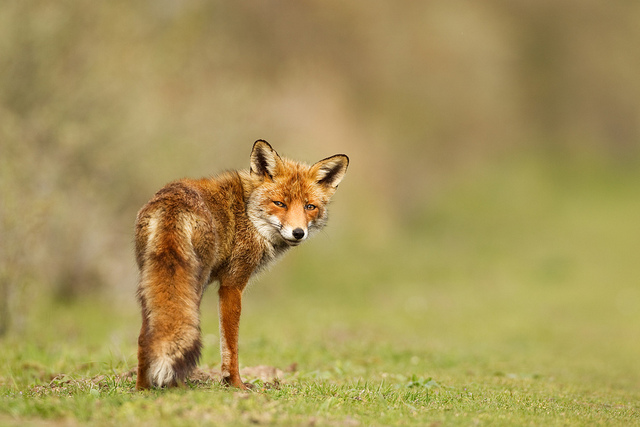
{"x": 222, "y": 229}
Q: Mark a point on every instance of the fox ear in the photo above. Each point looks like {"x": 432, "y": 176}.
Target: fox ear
{"x": 264, "y": 159}
{"x": 330, "y": 171}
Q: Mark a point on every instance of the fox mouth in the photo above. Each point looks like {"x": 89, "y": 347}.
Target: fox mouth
{"x": 292, "y": 242}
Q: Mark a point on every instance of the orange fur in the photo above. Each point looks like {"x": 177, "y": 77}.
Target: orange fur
{"x": 224, "y": 229}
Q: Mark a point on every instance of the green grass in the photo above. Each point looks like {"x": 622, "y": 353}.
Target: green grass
{"x": 511, "y": 299}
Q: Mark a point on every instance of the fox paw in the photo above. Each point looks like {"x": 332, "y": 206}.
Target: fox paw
{"x": 227, "y": 381}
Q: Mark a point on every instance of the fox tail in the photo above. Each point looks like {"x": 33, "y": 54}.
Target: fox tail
{"x": 169, "y": 293}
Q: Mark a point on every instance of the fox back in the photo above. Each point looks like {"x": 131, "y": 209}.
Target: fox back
{"x": 222, "y": 229}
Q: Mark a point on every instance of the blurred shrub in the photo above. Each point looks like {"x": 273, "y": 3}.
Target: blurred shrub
{"x": 101, "y": 104}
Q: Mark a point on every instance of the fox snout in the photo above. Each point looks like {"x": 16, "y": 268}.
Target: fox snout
{"x": 294, "y": 236}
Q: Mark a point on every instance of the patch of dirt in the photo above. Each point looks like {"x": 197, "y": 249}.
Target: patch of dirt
{"x": 264, "y": 373}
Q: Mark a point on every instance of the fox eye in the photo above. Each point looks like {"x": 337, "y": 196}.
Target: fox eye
{"x": 279, "y": 204}
{"x": 310, "y": 207}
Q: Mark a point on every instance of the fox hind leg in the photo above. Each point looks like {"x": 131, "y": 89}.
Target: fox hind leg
{"x": 143, "y": 381}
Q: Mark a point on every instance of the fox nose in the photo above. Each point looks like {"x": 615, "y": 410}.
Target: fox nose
{"x": 298, "y": 233}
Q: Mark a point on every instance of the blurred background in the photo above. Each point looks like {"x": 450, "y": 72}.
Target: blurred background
{"x": 494, "y": 149}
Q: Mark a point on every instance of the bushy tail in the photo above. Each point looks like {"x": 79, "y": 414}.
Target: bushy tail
{"x": 169, "y": 292}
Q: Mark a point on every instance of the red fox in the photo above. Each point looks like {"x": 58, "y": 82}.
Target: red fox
{"x": 222, "y": 229}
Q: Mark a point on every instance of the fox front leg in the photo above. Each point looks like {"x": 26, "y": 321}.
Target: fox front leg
{"x": 230, "y": 306}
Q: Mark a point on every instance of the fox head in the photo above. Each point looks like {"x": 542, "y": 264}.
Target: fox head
{"x": 289, "y": 199}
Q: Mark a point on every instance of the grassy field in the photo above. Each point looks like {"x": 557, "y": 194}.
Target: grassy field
{"x": 512, "y": 298}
